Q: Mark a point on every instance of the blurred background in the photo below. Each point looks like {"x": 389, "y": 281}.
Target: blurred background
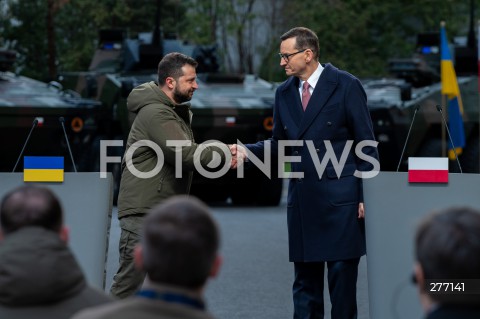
{"x": 79, "y": 60}
{"x": 53, "y": 36}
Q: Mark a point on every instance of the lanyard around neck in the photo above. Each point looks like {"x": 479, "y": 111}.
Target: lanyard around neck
{"x": 172, "y": 298}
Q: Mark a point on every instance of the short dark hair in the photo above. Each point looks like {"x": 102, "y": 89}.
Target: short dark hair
{"x": 447, "y": 246}
{"x": 171, "y": 66}
{"x": 180, "y": 242}
{"x": 30, "y": 206}
{"x": 305, "y": 39}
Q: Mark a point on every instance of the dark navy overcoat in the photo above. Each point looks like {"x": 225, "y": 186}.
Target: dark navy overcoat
{"x": 322, "y": 211}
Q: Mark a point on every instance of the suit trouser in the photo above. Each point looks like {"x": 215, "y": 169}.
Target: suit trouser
{"x": 342, "y": 285}
{"x": 128, "y": 279}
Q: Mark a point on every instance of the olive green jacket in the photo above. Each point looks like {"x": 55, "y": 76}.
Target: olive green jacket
{"x": 40, "y": 278}
{"x": 158, "y": 120}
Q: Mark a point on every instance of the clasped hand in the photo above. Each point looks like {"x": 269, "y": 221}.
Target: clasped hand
{"x": 239, "y": 155}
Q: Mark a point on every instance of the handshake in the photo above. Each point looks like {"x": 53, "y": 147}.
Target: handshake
{"x": 239, "y": 155}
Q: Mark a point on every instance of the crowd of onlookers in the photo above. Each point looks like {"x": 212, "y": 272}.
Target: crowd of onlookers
{"x": 40, "y": 278}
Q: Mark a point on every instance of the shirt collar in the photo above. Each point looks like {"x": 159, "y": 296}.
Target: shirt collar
{"x": 148, "y": 284}
{"x": 313, "y": 79}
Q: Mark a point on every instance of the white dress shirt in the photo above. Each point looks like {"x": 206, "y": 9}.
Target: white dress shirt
{"x": 312, "y": 80}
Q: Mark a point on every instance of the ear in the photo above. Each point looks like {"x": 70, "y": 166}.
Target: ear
{"x": 309, "y": 56}
{"x": 217, "y": 264}
{"x": 170, "y": 82}
{"x": 419, "y": 276}
{"x": 138, "y": 257}
{"x": 64, "y": 233}
{"x": 425, "y": 300}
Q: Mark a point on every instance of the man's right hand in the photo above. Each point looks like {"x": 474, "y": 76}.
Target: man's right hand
{"x": 239, "y": 155}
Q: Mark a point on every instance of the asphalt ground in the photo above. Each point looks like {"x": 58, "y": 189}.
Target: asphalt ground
{"x": 256, "y": 278}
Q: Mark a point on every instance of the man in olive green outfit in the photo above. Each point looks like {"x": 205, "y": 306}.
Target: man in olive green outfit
{"x": 39, "y": 275}
{"x": 161, "y": 132}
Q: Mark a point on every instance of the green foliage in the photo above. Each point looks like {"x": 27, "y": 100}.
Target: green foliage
{"x": 270, "y": 66}
{"x": 361, "y": 35}
{"x": 199, "y": 23}
{"x": 76, "y": 34}
{"x": 356, "y": 35}
{"x": 76, "y": 29}
{"x": 227, "y": 23}
{"x": 30, "y": 33}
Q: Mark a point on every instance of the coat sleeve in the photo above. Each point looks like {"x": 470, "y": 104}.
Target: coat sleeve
{"x": 360, "y": 125}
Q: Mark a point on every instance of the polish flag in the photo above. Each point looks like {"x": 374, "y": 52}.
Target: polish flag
{"x": 428, "y": 169}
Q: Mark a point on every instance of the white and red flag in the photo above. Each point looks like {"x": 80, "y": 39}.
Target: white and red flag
{"x": 428, "y": 169}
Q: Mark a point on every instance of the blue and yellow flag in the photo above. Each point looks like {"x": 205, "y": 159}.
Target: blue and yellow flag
{"x": 451, "y": 90}
{"x": 43, "y": 169}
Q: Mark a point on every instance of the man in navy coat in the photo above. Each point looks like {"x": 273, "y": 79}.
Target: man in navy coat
{"x": 325, "y": 207}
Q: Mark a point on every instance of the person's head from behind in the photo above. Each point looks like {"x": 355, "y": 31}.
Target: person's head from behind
{"x": 180, "y": 244}
{"x": 447, "y": 247}
{"x": 299, "y": 48}
{"x": 31, "y": 206}
{"x": 177, "y": 76}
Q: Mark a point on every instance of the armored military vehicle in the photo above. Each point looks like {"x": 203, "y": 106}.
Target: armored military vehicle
{"x": 393, "y": 101}
{"x": 226, "y": 107}
{"x": 24, "y": 101}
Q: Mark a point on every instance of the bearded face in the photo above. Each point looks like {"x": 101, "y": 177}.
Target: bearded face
{"x": 181, "y": 95}
{"x": 185, "y": 85}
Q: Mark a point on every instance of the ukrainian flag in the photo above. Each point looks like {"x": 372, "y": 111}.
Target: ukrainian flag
{"x": 451, "y": 90}
{"x": 43, "y": 169}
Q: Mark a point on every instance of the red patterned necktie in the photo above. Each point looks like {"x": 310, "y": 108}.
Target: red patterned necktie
{"x": 305, "y": 94}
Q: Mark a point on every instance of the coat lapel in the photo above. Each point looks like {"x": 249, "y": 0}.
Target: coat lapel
{"x": 292, "y": 101}
{"x": 323, "y": 90}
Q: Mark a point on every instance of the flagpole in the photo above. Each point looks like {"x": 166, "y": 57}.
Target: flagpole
{"x": 444, "y": 103}
{"x": 444, "y": 135}
{"x": 478, "y": 79}
{"x": 451, "y": 92}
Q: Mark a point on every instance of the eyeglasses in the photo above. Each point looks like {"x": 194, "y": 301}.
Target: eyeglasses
{"x": 286, "y": 57}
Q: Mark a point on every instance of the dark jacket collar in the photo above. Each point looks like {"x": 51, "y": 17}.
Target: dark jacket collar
{"x": 38, "y": 268}
{"x": 326, "y": 85}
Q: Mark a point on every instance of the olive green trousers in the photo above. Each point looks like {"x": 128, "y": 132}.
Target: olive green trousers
{"x": 128, "y": 279}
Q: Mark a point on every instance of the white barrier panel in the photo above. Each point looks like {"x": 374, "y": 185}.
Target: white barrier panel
{"x": 393, "y": 210}
{"x": 87, "y": 204}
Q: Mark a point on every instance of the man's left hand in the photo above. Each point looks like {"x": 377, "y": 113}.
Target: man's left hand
{"x": 361, "y": 210}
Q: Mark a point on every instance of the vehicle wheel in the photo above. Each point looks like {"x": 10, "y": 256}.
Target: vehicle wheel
{"x": 117, "y": 175}
{"x": 262, "y": 192}
{"x": 243, "y": 195}
{"x": 271, "y": 192}
{"x": 470, "y": 157}
{"x": 210, "y": 194}
{"x": 114, "y": 168}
